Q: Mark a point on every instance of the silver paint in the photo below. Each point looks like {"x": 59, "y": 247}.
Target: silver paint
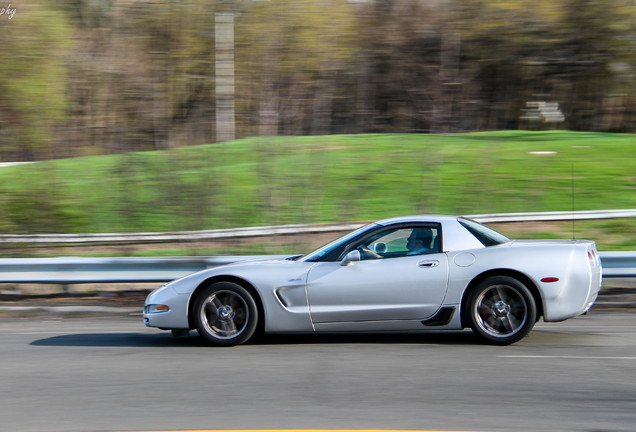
{"x": 394, "y": 294}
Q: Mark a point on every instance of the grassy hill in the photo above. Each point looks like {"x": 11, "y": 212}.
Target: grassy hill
{"x": 284, "y": 180}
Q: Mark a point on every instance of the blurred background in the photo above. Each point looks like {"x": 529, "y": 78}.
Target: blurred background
{"x": 340, "y": 110}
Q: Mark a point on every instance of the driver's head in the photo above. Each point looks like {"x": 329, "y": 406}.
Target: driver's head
{"x": 420, "y": 238}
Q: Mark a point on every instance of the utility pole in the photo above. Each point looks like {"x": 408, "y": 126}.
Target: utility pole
{"x": 224, "y": 49}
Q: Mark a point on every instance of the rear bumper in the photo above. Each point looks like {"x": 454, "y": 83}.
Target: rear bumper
{"x": 577, "y": 291}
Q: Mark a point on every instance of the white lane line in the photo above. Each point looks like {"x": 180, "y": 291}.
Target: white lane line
{"x": 568, "y": 357}
{"x": 71, "y": 309}
{"x": 586, "y": 329}
{"x": 69, "y": 333}
{"x": 306, "y": 430}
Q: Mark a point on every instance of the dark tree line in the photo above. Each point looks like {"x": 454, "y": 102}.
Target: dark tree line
{"x": 92, "y": 77}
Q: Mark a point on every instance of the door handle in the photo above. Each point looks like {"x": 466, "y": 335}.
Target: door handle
{"x": 428, "y": 263}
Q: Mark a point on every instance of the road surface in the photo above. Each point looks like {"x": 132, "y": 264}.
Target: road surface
{"x": 113, "y": 374}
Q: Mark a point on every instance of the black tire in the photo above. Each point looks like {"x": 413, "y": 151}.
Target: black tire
{"x": 225, "y": 314}
{"x": 501, "y": 310}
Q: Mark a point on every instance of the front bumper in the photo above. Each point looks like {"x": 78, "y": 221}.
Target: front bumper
{"x": 166, "y": 309}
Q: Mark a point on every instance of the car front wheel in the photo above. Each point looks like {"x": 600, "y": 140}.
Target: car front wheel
{"x": 225, "y": 314}
{"x": 501, "y": 310}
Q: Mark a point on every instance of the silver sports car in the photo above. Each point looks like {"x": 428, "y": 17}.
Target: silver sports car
{"x": 402, "y": 274}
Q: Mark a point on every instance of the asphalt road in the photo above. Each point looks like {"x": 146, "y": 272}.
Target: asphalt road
{"x": 106, "y": 374}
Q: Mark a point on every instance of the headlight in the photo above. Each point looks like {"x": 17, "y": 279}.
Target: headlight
{"x": 156, "y": 308}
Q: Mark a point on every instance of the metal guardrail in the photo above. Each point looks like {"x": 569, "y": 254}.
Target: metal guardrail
{"x": 109, "y": 270}
{"x": 618, "y": 264}
{"x": 554, "y": 216}
{"x": 266, "y": 231}
{"x": 113, "y": 270}
{"x": 74, "y": 270}
{"x": 181, "y": 236}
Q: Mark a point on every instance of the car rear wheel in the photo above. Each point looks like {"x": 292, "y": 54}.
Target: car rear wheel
{"x": 225, "y": 314}
{"x": 501, "y": 310}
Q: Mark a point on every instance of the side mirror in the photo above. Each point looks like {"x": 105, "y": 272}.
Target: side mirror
{"x": 351, "y": 257}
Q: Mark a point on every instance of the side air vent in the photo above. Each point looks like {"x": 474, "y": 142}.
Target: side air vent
{"x": 441, "y": 318}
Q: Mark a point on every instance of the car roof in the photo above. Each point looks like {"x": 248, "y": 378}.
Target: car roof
{"x": 456, "y": 237}
{"x": 417, "y": 218}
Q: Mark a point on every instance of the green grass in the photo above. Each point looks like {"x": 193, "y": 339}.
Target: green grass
{"x": 285, "y": 180}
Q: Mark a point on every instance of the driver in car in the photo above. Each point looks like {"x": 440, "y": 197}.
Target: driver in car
{"x": 419, "y": 241}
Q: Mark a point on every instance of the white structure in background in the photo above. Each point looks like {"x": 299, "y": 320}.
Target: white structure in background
{"x": 224, "y": 50}
{"x": 7, "y": 164}
{"x": 546, "y": 112}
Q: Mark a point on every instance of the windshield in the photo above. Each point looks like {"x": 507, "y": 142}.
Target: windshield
{"x": 487, "y": 236}
{"x": 326, "y": 249}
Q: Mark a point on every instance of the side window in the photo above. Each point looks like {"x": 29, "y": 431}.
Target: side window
{"x": 399, "y": 242}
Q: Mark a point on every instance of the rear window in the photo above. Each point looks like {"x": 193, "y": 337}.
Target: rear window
{"x": 487, "y": 236}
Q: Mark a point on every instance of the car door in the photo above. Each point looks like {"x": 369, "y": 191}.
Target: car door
{"x": 389, "y": 282}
